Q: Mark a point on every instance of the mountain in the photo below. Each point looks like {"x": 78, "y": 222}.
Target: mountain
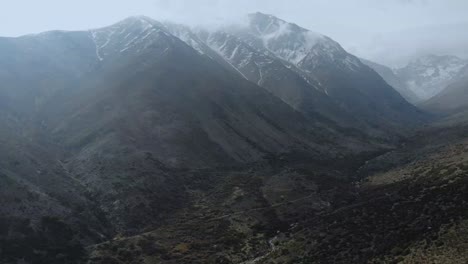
{"x": 453, "y": 99}
{"x": 342, "y": 77}
{"x": 393, "y": 80}
{"x": 429, "y": 75}
{"x": 149, "y": 142}
{"x": 303, "y": 69}
{"x": 276, "y": 76}
{"x": 106, "y": 132}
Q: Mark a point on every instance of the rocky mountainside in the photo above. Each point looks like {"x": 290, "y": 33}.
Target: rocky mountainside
{"x": 149, "y": 142}
{"x": 307, "y": 70}
{"x": 406, "y": 209}
{"x": 99, "y": 127}
{"x": 355, "y": 87}
{"x": 393, "y": 80}
{"x": 404, "y": 206}
{"x": 429, "y": 75}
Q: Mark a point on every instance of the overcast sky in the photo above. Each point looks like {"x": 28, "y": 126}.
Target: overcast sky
{"x": 388, "y": 31}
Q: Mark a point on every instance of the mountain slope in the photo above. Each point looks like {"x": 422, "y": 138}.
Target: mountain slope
{"x": 353, "y": 86}
{"x": 405, "y": 206}
{"x": 167, "y": 60}
{"x": 141, "y": 142}
{"x": 302, "y": 68}
{"x": 45, "y": 212}
{"x": 105, "y": 132}
{"x": 393, "y": 80}
{"x": 278, "y": 77}
{"x": 406, "y": 209}
{"x": 35, "y": 67}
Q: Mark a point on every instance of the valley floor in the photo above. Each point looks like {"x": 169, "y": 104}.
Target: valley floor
{"x": 405, "y": 206}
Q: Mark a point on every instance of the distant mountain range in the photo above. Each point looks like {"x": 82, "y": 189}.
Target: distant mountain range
{"x": 424, "y": 77}
{"x": 429, "y": 75}
{"x": 397, "y": 48}
{"x": 453, "y": 99}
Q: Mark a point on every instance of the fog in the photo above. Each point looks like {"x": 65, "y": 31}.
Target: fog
{"x": 387, "y": 31}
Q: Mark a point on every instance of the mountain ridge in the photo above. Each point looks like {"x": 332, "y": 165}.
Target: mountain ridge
{"x": 264, "y": 33}
{"x": 186, "y": 146}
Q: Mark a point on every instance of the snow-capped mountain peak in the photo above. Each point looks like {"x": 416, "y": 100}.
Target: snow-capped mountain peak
{"x": 126, "y": 35}
{"x": 187, "y": 35}
{"x": 287, "y": 40}
{"x": 428, "y": 75}
{"x": 297, "y": 45}
{"x": 310, "y": 72}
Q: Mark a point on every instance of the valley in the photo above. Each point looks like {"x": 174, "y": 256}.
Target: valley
{"x": 264, "y": 142}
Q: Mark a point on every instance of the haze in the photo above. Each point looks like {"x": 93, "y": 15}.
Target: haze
{"x": 389, "y": 31}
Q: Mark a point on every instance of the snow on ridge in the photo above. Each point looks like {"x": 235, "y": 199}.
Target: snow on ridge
{"x": 220, "y": 49}
{"x": 93, "y": 37}
{"x": 297, "y": 44}
{"x": 260, "y": 81}
{"x": 146, "y": 25}
{"x": 189, "y": 40}
{"x": 287, "y": 41}
{"x": 186, "y": 35}
{"x": 122, "y": 36}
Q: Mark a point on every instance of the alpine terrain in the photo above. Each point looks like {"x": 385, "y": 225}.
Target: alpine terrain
{"x": 429, "y": 75}
{"x": 258, "y": 142}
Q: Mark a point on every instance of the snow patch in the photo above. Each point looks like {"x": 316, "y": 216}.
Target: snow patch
{"x": 185, "y": 34}
{"x": 93, "y": 37}
{"x": 287, "y": 41}
{"x": 212, "y": 43}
